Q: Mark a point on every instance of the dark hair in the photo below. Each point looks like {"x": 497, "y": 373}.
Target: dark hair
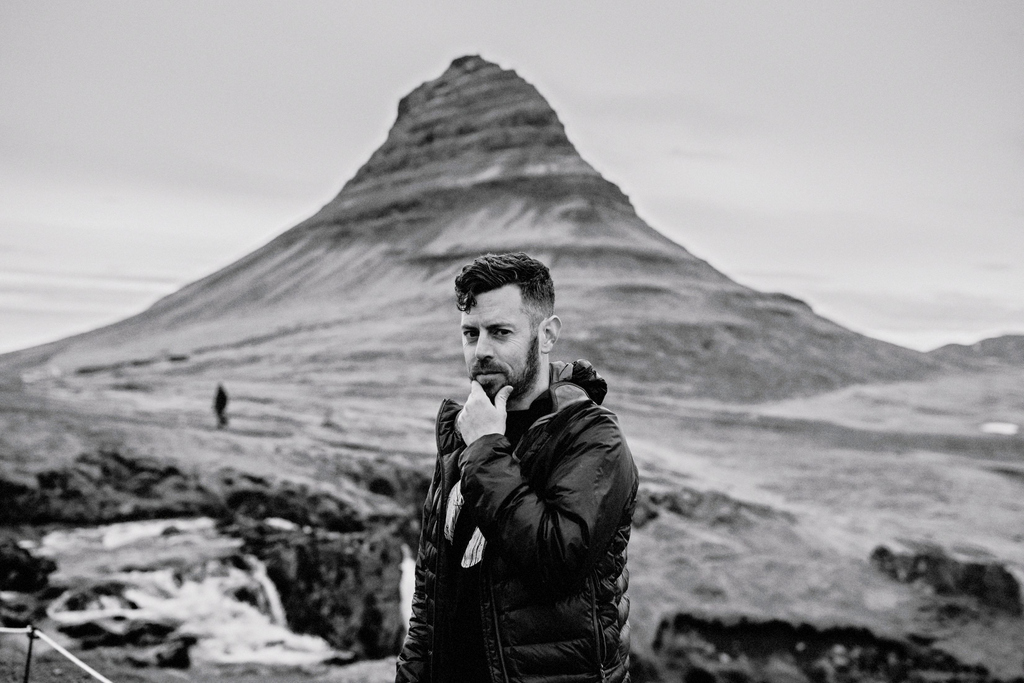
{"x": 493, "y": 271}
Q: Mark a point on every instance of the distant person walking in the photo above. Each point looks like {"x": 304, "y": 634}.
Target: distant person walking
{"x": 220, "y": 405}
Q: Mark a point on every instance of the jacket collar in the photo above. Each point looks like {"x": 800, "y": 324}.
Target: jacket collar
{"x": 569, "y": 380}
{"x": 570, "y": 384}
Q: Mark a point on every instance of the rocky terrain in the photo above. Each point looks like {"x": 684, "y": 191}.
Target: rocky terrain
{"x": 815, "y": 504}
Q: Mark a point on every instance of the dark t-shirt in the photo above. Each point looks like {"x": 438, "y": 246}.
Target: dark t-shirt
{"x": 468, "y": 663}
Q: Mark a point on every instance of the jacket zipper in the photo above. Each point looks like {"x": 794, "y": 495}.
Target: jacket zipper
{"x": 497, "y": 630}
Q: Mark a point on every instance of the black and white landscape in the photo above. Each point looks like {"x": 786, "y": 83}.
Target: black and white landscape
{"x": 816, "y": 504}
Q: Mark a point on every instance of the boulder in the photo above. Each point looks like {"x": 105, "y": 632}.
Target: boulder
{"x": 22, "y": 571}
{"x": 118, "y": 632}
{"x": 171, "y": 654}
{"x": 102, "y": 614}
{"x": 699, "y": 650}
{"x": 18, "y": 610}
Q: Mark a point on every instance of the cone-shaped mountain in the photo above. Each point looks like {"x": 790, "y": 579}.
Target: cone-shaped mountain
{"x": 476, "y": 162}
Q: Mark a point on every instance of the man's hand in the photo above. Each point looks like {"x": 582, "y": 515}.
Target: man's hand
{"x": 479, "y": 416}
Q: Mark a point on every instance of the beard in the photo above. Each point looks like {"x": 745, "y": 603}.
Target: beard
{"x": 521, "y": 380}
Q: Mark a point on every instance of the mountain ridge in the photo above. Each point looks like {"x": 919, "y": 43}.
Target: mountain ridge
{"x": 1007, "y": 348}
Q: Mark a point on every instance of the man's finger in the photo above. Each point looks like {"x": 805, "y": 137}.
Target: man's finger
{"x": 502, "y": 397}
{"x": 476, "y": 388}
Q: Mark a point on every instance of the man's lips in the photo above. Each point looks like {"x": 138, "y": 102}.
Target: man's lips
{"x": 488, "y": 375}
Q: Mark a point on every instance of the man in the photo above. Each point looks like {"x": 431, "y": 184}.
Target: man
{"x": 220, "y": 404}
{"x": 520, "y": 573}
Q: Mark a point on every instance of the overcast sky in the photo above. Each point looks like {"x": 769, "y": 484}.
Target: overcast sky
{"x": 867, "y": 157}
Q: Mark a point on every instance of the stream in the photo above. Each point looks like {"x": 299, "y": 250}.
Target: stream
{"x": 138, "y": 583}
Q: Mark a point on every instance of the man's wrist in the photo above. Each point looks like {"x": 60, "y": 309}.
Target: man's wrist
{"x": 465, "y": 455}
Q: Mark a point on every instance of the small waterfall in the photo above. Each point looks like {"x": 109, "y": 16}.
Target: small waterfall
{"x": 196, "y": 584}
{"x": 408, "y": 583}
{"x": 259, "y": 573}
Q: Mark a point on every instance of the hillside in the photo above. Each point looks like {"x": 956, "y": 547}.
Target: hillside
{"x": 1007, "y": 349}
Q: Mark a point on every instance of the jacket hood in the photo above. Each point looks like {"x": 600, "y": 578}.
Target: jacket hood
{"x": 582, "y": 374}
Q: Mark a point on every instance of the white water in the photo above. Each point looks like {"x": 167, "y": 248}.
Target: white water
{"x": 270, "y": 590}
{"x": 408, "y": 584}
{"x": 211, "y": 600}
{"x": 111, "y": 536}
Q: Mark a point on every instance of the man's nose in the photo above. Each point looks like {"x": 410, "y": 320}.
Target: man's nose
{"x": 483, "y": 347}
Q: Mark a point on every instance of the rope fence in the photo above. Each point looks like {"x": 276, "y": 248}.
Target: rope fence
{"x": 33, "y": 633}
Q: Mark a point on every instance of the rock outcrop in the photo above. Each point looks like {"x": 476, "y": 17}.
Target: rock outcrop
{"x": 106, "y": 486}
{"x": 20, "y": 570}
{"x": 951, "y": 574}
{"x": 341, "y": 587}
{"x": 699, "y": 650}
{"x": 24, "y": 579}
{"x": 709, "y": 507}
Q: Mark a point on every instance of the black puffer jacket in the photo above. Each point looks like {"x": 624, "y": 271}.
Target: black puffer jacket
{"x": 556, "y": 515}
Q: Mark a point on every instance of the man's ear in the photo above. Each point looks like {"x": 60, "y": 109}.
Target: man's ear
{"x": 547, "y": 334}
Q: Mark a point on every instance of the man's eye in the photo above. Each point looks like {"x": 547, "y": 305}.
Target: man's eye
{"x": 502, "y": 333}
{"x": 469, "y": 334}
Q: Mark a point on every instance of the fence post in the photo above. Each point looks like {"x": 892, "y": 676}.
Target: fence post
{"x": 28, "y": 657}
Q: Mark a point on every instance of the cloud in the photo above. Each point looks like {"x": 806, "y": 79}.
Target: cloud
{"x": 997, "y": 266}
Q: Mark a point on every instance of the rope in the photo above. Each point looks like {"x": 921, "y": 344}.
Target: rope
{"x": 75, "y": 660}
{"x": 33, "y": 632}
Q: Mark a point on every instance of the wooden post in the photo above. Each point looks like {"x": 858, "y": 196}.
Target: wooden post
{"x": 28, "y": 657}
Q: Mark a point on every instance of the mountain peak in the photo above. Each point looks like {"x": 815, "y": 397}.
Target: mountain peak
{"x": 470, "y": 63}
{"x": 476, "y": 122}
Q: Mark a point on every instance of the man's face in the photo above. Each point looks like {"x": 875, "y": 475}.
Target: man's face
{"x": 499, "y": 342}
